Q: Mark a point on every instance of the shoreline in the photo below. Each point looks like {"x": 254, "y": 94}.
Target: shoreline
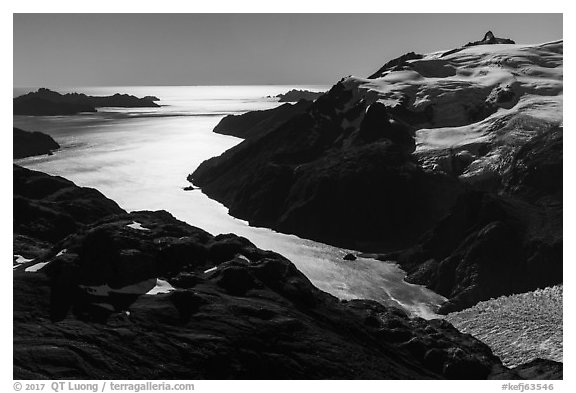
{"x": 220, "y": 287}
{"x": 465, "y": 321}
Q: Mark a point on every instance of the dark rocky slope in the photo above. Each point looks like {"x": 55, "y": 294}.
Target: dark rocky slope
{"x": 353, "y": 185}
{"x": 49, "y": 208}
{"x": 255, "y": 123}
{"x": 234, "y": 312}
{"x": 45, "y": 102}
{"x": 27, "y": 144}
{"x": 499, "y": 242}
{"x": 476, "y": 211}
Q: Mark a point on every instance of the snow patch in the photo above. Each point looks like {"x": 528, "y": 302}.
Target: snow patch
{"x": 20, "y": 259}
{"x": 162, "y": 286}
{"x": 138, "y": 226}
{"x": 62, "y": 252}
{"x": 36, "y": 267}
{"x": 242, "y": 257}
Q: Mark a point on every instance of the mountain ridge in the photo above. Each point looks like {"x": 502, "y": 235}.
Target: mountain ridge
{"x": 376, "y": 164}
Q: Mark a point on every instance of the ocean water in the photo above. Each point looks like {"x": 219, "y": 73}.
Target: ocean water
{"x": 140, "y": 158}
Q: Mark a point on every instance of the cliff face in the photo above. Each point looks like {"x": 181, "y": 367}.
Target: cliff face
{"x": 27, "y": 144}
{"x": 114, "y": 295}
{"x": 457, "y": 152}
{"x": 45, "y": 102}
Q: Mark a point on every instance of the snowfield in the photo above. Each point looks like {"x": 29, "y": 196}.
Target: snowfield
{"x": 518, "y": 328}
{"x": 462, "y": 99}
{"x": 517, "y": 78}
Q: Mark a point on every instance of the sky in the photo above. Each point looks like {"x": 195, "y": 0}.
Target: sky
{"x": 242, "y": 49}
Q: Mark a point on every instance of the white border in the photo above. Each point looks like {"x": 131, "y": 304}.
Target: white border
{"x": 296, "y": 6}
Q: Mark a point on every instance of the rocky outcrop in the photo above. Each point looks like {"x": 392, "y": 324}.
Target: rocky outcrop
{"x": 49, "y": 208}
{"x": 27, "y": 144}
{"x": 490, "y": 39}
{"x": 296, "y": 95}
{"x": 256, "y": 123}
{"x": 45, "y": 102}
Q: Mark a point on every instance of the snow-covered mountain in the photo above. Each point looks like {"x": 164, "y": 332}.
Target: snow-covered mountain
{"x": 453, "y": 157}
{"x": 465, "y": 99}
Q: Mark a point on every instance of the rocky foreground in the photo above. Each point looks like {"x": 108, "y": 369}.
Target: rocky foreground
{"x": 45, "y": 102}
{"x": 449, "y": 163}
{"x": 103, "y": 294}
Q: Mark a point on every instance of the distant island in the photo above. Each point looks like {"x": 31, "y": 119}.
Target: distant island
{"x": 46, "y": 102}
{"x": 296, "y": 95}
{"x": 27, "y": 144}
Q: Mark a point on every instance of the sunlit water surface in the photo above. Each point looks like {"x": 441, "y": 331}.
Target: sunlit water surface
{"x": 140, "y": 158}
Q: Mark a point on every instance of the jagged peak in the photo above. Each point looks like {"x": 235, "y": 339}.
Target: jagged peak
{"x": 489, "y": 36}
{"x": 490, "y": 39}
